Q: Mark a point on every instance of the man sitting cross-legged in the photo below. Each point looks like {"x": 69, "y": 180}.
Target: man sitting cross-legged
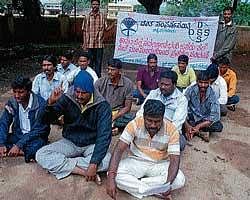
{"x": 219, "y": 85}
{"x": 175, "y": 102}
{"x": 154, "y": 144}
{"x": 86, "y": 131}
{"x": 117, "y": 90}
{"x": 147, "y": 78}
{"x": 21, "y": 113}
{"x": 231, "y": 79}
{"x": 186, "y": 74}
{"x": 203, "y": 109}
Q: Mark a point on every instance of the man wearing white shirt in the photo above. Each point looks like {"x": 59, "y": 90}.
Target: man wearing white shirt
{"x": 49, "y": 80}
{"x": 65, "y": 66}
{"x": 22, "y": 113}
{"x": 219, "y": 86}
{"x": 175, "y": 102}
{"x": 83, "y": 63}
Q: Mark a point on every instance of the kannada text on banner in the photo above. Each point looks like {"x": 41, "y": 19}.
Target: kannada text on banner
{"x": 168, "y": 37}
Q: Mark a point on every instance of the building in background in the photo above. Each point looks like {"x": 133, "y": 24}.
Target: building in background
{"x": 51, "y": 7}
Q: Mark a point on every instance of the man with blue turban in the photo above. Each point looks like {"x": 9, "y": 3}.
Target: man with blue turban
{"x": 86, "y": 131}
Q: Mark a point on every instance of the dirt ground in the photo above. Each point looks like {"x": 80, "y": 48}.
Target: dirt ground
{"x": 218, "y": 170}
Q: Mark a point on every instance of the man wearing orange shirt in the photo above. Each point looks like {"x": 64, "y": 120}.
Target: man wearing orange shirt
{"x": 230, "y": 77}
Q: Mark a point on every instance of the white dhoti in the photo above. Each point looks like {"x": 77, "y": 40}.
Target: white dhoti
{"x": 135, "y": 175}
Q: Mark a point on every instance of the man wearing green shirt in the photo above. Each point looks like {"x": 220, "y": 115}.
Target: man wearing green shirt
{"x": 186, "y": 75}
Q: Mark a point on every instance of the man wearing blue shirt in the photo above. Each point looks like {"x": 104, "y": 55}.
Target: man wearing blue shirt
{"x": 65, "y": 66}
{"x": 203, "y": 109}
{"x": 23, "y": 112}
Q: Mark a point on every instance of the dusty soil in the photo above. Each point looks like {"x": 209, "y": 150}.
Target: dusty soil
{"x": 216, "y": 170}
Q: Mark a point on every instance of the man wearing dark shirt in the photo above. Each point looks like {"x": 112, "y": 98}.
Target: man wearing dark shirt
{"x": 86, "y": 131}
{"x": 117, "y": 90}
{"x": 226, "y": 36}
{"x": 203, "y": 109}
{"x": 147, "y": 78}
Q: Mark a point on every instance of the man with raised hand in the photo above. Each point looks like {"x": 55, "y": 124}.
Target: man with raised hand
{"x": 86, "y": 131}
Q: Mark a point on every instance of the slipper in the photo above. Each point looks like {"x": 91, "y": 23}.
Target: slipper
{"x": 98, "y": 180}
{"x": 231, "y": 107}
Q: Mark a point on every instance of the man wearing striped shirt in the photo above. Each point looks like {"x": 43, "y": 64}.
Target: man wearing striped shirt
{"x": 94, "y": 25}
{"x": 155, "y": 155}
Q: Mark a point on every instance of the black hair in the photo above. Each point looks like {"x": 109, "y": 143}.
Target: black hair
{"x": 51, "y": 58}
{"x": 153, "y": 107}
{"x": 183, "y": 58}
{"x": 228, "y": 8}
{"x": 68, "y": 54}
{"x": 213, "y": 71}
{"x": 203, "y": 76}
{"x": 95, "y": 0}
{"x": 83, "y": 53}
{"x": 224, "y": 61}
{"x": 151, "y": 56}
{"x": 116, "y": 63}
{"x": 21, "y": 82}
{"x": 170, "y": 75}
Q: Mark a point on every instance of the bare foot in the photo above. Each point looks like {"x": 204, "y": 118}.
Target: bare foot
{"x": 161, "y": 196}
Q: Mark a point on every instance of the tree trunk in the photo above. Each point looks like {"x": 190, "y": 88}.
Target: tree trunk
{"x": 152, "y": 6}
{"x": 30, "y": 8}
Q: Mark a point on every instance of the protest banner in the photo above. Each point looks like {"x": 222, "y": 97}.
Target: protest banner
{"x": 138, "y": 35}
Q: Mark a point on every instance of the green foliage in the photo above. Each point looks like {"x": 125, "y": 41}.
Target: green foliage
{"x": 140, "y": 9}
{"x": 195, "y": 8}
{"x": 242, "y": 14}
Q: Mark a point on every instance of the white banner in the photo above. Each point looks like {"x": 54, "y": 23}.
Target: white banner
{"x": 138, "y": 35}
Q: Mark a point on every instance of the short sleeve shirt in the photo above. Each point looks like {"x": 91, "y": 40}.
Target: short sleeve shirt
{"x": 115, "y": 95}
{"x": 148, "y": 82}
{"x": 185, "y": 79}
{"x": 155, "y": 149}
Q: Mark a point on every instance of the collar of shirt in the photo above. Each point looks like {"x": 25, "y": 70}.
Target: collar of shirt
{"x": 186, "y": 71}
{"x": 29, "y": 104}
{"x": 197, "y": 91}
{"x": 91, "y": 101}
{"x": 155, "y": 71}
{"x": 120, "y": 83}
{"x": 60, "y": 67}
{"x": 94, "y": 14}
{"x": 55, "y": 77}
{"x": 174, "y": 95}
{"x": 226, "y": 24}
{"x": 227, "y": 73}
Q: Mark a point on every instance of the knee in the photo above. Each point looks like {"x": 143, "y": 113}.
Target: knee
{"x": 179, "y": 181}
{"x": 183, "y": 142}
{"x": 41, "y": 155}
{"x": 219, "y": 127}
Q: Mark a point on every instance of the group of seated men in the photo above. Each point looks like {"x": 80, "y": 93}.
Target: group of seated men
{"x": 176, "y": 106}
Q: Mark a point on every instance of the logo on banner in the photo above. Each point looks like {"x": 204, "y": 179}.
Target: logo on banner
{"x": 128, "y": 26}
{"x": 199, "y": 32}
